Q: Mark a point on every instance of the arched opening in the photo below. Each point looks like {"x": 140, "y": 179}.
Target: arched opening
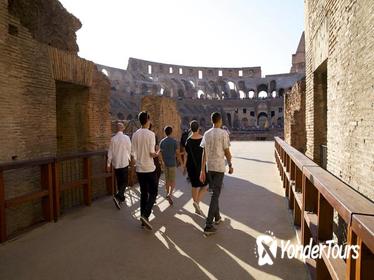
{"x": 280, "y": 122}
{"x": 202, "y": 122}
{"x": 251, "y": 94}
{"x": 185, "y": 122}
{"x": 281, "y": 92}
{"x": 262, "y": 120}
{"x": 241, "y": 94}
{"x": 241, "y": 85}
{"x": 162, "y": 91}
{"x": 192, "y": 83}
{"x": 245, "y": 123}
{"x": 180, "y": 93}
{"x": 120, "y": 116}
{"x": 273, "y": 85}
{"x": 262, "y": 90}
{"x": 200, "y": 94}
{"x": 232, "y": 85}
{"x": 274, "y": 94}
{"x": 229, "y": 119}
{"x": 105, "y": 72}
{"x": 262, "y": 94}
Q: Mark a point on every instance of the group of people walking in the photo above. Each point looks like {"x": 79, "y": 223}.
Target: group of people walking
{"x": 203, "y": 159}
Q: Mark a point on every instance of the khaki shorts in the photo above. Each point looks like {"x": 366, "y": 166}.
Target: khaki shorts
{"x": 170, "y": 174}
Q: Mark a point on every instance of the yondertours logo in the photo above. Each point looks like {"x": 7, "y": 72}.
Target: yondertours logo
{"x": 267, "y": 249}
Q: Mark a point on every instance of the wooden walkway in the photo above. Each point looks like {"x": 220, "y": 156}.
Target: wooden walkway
{"x": 100, "y": 242}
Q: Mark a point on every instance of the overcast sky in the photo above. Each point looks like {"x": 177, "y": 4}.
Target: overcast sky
{"x": 216, "y": 33}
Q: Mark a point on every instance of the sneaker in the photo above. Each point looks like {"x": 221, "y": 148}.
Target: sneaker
{"x": 146, "y": 223}
{"x": 210, "y": 230}
{"x": 117, "y": 203}
{"x": 218, "y": 221}
{"x": 171, "y": 202}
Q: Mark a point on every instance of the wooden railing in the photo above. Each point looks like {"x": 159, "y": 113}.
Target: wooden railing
{"x": 314, "y": 196}
{"x": 52, "y": 185}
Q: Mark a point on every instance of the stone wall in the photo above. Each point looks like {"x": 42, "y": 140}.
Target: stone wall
{"x": 294, "y": 117}
{"x": 339, "y": 39}
{"x": 98, "y": 110}
{"x": 27, "y": 97}
{"x": 163, "y": 112}
{"x": 48, "y": 21}
{"x": 46, "y": 93}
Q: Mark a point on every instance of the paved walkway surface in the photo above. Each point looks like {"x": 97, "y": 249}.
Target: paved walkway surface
{"x": 101, "y": 242}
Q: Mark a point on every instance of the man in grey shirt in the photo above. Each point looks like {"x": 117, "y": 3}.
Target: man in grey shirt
{"x": 216, "y": 145}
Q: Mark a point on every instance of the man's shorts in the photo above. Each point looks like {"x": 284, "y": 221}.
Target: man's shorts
{"x": 170, "y": 174}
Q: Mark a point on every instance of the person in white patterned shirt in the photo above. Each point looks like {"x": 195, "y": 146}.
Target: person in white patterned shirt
{"x": 216, "y": 145}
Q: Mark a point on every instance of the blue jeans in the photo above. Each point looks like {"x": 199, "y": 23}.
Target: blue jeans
{"x": 215, "y": 184}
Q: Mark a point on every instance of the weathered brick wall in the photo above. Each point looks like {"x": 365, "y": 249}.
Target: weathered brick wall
{"x": 48, "y": 21}
{"x": 29, "y": 103}
{"x": 294, "y": 116}
{"x": 163, "y": 111}
{"x": 27, "y": 98}
{"x": 98, "y": 110}
{"x": 342, "y": 32}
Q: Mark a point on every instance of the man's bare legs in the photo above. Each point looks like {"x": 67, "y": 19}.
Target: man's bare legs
{"x": 169, "y": 188}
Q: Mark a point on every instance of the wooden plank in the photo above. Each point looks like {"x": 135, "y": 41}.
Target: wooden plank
{"x": 310, "y": 196}
{"x": 351, "y": 262}
{"x": 25, "y": 198}
{"x": 311, "y": 220}
{"x": 87, "y": 190}
{"x": 110, "y": 183}
{"x": 297, "y": 157}
{"x": 363, "y": 226}
{"x": 102, "y": 175}
{"x": 73, "y": 184}
{"x": 298, "y": 180}
{"x": 311, "y": 266}
{"x": 56, "y": 168}
{"x": 325, "y": 219}
{"x": 80, "y": 155}
{"x": 299, "y": 199}
{"x": 25, "y": 163}
{"x": 365, "y": 262}
{"x": 322, "y": 273}
{"x": 2, "y": 209}
{"x": 339, "y": 195}
{"x": 46, "y": 183}
{"x": 297, "y": 209}
{"x": 291, "y": 197}
{"x": 336, "y": 267}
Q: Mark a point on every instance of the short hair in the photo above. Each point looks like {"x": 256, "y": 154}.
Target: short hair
{"x": 216, "y": 117}
{"x": 120, "y": 125}
{"x": 194, "y": 125}
{"x": 168, "y": 130}
{"x": 143, "y": 117}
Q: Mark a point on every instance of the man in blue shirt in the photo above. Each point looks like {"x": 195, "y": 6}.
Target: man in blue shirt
{"x": 169, "y": 154}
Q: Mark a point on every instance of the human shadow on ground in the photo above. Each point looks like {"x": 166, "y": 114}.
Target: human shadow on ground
{"x": 248, "y": 210}
{"x": 255, "y": 159}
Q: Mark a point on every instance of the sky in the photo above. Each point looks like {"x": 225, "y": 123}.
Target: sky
{"x": 210, "y": 33}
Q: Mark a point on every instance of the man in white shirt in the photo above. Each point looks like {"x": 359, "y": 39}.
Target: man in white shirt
{"x": 119, "y": 156}
{"x": 143, "y": 152}
{"x": 216, "y": 145}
